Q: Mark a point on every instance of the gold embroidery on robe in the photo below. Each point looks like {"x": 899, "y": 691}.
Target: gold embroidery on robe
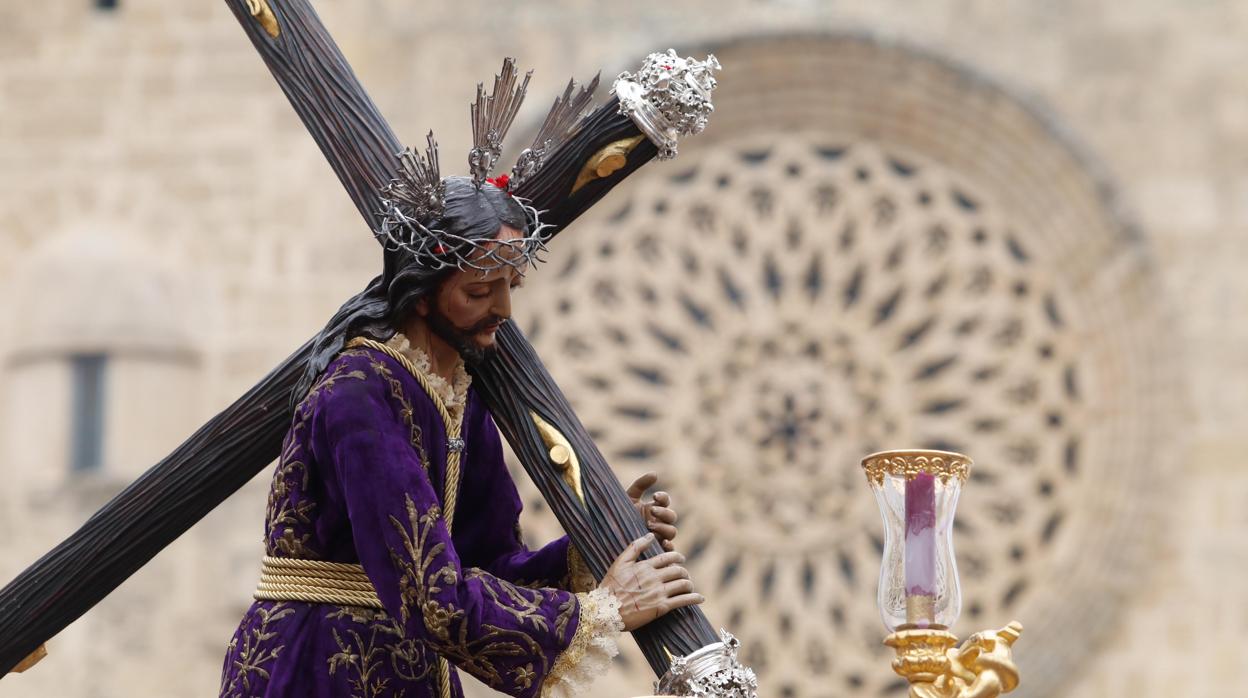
{"x": 408, "y": 657}
{"x": 282, "y": 514}
{"x": 421, "y": 581}
{"x": 256, "y": 651}
{"x": 407, "y": 412}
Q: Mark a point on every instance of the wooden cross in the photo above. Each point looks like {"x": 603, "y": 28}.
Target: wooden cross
{"x": 529, "y": 408}
{"x": 225, "y": 453}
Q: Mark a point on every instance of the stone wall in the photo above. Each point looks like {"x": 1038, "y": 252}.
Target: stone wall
{"x": 153, "y": 132}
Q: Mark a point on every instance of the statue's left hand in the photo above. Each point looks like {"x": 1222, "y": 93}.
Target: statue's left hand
{"x": 658, "y": 512}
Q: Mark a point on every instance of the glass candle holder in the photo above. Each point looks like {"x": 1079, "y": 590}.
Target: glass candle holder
{"x": 917, "y": 492}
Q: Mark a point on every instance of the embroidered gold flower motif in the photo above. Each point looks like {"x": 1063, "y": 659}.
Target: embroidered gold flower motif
{"x": 292, "y": 546}
{"x": 437, "y": 618}
{"x": 524, "y": 675}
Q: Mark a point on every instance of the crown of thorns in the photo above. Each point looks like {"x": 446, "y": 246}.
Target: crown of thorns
{"x": 412, "y": 203}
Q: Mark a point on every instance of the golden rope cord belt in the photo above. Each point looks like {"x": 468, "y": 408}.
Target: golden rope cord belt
{"x": 314, "y": 581}
{"x": 346, "y": 584}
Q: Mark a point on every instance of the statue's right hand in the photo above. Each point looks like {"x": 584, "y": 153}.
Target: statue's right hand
{"x": 649, "y": 588}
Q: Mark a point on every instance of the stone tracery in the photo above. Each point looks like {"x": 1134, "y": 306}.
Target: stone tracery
{"x": 755, "y": 318}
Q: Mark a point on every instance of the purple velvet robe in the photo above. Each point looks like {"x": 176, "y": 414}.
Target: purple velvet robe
{"x": 361, "y": 480}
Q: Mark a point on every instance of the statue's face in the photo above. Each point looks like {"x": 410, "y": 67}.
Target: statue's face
{"x": 471, "y": 305}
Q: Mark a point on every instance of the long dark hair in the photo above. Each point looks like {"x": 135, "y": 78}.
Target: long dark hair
{"x": 469, "y": 213}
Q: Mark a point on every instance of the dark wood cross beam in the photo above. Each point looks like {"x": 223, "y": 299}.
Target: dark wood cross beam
{"x": 361, "y": 148}
{"x": 232, "y": 447}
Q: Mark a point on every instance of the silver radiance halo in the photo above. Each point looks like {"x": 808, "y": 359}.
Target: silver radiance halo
{"x": 492, "y": 116}
{"x": 560, "y": 123}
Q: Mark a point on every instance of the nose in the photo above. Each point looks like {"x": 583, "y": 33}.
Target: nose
{"x": 502, "y": 303}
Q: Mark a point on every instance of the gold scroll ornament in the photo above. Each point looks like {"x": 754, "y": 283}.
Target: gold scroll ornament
{"x": 983, "y": 667}
{"x": 561, "y": 454}
{"x": 264, "y": 15}
{"x": 606, "y": 161}
{"x": 31, "y": 659}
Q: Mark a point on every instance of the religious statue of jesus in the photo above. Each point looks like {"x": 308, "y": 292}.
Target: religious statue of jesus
{"x": 393, "y": 547}
{"x": 392, "y": 555}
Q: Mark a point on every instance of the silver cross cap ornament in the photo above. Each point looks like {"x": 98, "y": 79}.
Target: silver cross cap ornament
{"x": 710, "y": 672}
{"x": 669, "y": 97}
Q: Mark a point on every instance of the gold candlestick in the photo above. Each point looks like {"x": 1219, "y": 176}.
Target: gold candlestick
{"x": 917, "y": 491}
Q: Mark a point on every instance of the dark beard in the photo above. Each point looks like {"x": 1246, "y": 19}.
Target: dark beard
{"x": 461, "y": 339}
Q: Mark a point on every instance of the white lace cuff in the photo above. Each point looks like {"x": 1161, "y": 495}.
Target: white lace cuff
{"x": 592, "y": 648}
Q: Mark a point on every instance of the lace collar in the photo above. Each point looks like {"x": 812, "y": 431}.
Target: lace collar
{"x": 455, "y": 395}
